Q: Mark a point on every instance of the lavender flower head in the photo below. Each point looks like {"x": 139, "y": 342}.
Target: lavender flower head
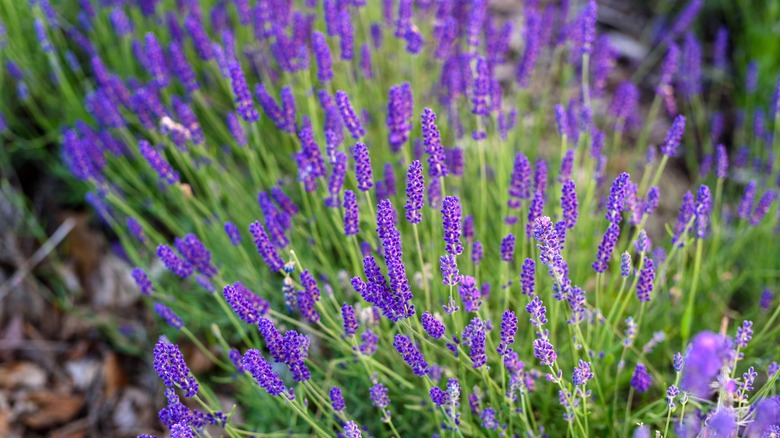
{"x": 617, "y": 196}
{"x": 645, "y": 284}
{"x": 451, "y": 217}
{"x": 171, "y": 368}
{"x": 415, "y": 187}
{"x": 158, "y": 163}
{"x": 263, "y": 373}
{"x": 508, "y": 248}
{"x": 433, "y": 147}
{"x": 245, "y": 303}
{"x": 449, "y": 270}
{"x": 173, "y": 262}
{"x": 433, "y": 326}
{"x": 363, "y": 170}
{"x": 674, "y": 137}
{"x": 142, "y": 281}
{"x": 411, "y": 354}
{"x": 527, "y": 278}
{"x": 168, "y": 316}
{"x": 582, "y": 374}
{"x": 508, "y": 331}
{"x": 641, "y": 380}
{"x": 707, "y": 354}
{"x": 590, "y": 14}
{"x": 703, "y": 209}
{"x": 351, "y": 214}
{"x": 474, "y": 337}
{"x": 348, "y": 116}
{"x": 265, "y": 247}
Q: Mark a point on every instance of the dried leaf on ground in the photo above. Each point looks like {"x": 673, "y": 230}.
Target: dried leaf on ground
{"x": 52, "y": 409}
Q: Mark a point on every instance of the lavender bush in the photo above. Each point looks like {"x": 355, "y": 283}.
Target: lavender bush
{"x": 371, "y": 229}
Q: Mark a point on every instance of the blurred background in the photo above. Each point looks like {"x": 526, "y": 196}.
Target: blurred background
{"x": 73, "y": 333}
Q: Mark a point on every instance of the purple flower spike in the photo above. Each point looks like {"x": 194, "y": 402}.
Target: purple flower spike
{"x": 534, "y": 212}
{"x": 605, "y": 248}
{"x": 508, "y": 331}
{"x": 247, "y": 305}
{"x": 569, "y": 204}
{"x": 158, "y": 163}
{"x": 474, "y": 336}
{"x": 582, "y": 373}
{"x": 617, "y": 196}
{"x": 348, "y": 115}
{"x": 196, "y": 254}
{"x": 155, "y": 60}
{"x": 744, "y": 334}
{"x": 322, "y": 56}
{"x": 544, "y": 351}
{"x": 469, "y": 294}
{"x": 533, "y": 44}
{"x": 449, "y": 270}
{"x": 411, "y": 354}
{"x": 363, "y": 171}
{"x": 481, "y": 88}
{"x": 350, "y": 320}
{"x": 589, "y": 16}
{"x": 451, "y": 217}
{"x": 173, "y": 262}
{"x": 706, "y": 355}
{"x": 527, "y": 278}
{"x": 432, "y": 140}
{"x": 263, "y": 373}
{"x": 520, "y": 185}
{"x": 337, "y": 175}
{"x": 200, "y": 38}
{"x": 668, "y": 69}
{"x": 351, "y": 214}
{"x": 265, "y": 247}
{"x": 722, "y": 162}
{"x": 762, "y": 208}
{"x": 703, "y": 210}
{"x": 171, "y": 368}
{"x": 641, "y": 380}
{"x": 244, "y": 104}
{"x": 432, "y": 325}
{"x": 646, "y": 277}
{"x": 476, "y": 252}
{"x": 674, "y": 137}
{"x": 415, "y": 187}
{"x": 508, "y": 248}
{"x": 168, "y": 315}
{"x": 399, "y": 114}
{"x": 337, "y": 399}
{"x": 391, "y": 243}
{"x": 687, "y": 209}
{"x": 142, "y": 281}
{"x": 347, "y": 36}
{"x": 746, "y": 205}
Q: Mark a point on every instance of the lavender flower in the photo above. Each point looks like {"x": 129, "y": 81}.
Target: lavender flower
{"x": 508, "y": 331}
{"x": 363, "y": 171}
{"x": 322, "y": 56}
{"x": 432, "y": 325}
{"x": 744, "y": 334}
{"x": 706, "y": 355}
{"x": 172, "y": 261}
{"x": 763, "y": 206}
{"x": 617, "y": 196}
{"x": 351, "y": 214}
{"x": 469, "y": 294}
{"x": 527, "y": 277}
{"x": 520, "y": 184}
{"x": 433, "y": 147}
{"x": 449, "y": 270}
{"x": 337, "y": 399}
{"x": 589, "y": 17}
{"x": 476, "y": 252}
{"x": 142, "y": 281}
{"x": 244, "y": 104}
{"x": 641, "y": 380}
{"x": 158, "y": 163}
{"x": 691, "y": 73}
{"x": 481, "y": 88}
{"x": 533, "y": 43}
{"x": 451, "y": 217}
{"x": 721, "y": 423}
{"x": 391, "y": 243}
{"x": 569, "y": 203}
{"x": 746, "y": 204}
{"x": 348, "y": 115}
{"x": 199, "y": 37}
{"x": 534, "y": 211}
{"x": 168, "y": 316}
{"x": 508, "y": 248}
{"x": 702, "y": 211}
{"x": 379, "y": 398}
{"x": 605, "y": 248}
{"x": 173, "y": 371}
{"x": 411, "y": 354}
{"x": 414, "y": 193}
{"x": 261, "y": 371}
{"x": 248, "y": 306}
{"x": 347, "y": 37}
{"x": 544, "y": 351}
{"x": 399, "y": 113}
{"x": 550, "y": 255}
{"x": 582, "y": 373}
{"x": 765, "y": 302}
{"x": 645, "y": 285}
{"x": 474, "y": 337}
{"x": 196, "y": 254}
{"x": 264, "y": 247}
{"x": 673, "y": 137}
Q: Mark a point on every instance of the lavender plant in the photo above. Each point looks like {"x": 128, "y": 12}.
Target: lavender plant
{"x": 252, "y": 150}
